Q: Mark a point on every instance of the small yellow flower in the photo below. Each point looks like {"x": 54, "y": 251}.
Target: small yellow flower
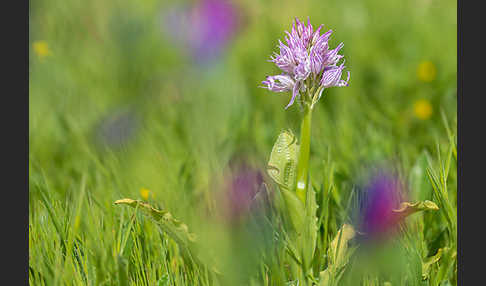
{"x": 422, "y": 109}
{"x": 144, "y": 193}
{"x": 41, "y": 49}
{"x": 426, "y": 71}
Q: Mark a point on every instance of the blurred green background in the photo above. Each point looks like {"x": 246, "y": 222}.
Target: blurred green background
{"x": 117, "y": 106}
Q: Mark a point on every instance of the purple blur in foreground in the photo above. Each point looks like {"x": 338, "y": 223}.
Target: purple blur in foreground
{"x": 381, "y": 196}
{"x": 206, "y": 27}
{"x": 307, "y": 62}
{"x": 241, "y": 187}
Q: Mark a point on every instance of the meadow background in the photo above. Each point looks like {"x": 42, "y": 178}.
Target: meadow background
{"x": 120, "y": 108}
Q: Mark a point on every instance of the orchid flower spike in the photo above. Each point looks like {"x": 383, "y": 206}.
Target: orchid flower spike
{"x": 308, "y": 65}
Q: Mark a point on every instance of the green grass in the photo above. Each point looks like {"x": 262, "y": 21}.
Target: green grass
{"x": 110, "y": 56}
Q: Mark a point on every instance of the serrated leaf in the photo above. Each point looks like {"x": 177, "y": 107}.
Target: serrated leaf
{"x": 449, "y": 256}
{"x": 176, "y": 229}
{"x": 173, "y": 227}
{"x": 429, "y": 262}
{"x": 282, "y": 166}
{"x": 407, "y": 208}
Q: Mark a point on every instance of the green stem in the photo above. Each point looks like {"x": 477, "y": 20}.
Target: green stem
{"x": 303, "y": 161}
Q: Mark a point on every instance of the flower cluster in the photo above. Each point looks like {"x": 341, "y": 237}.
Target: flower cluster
{"x": 308, "y": 65}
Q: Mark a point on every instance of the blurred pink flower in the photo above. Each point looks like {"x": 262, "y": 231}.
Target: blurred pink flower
{"x": 241, "y": 186}
{"x": 374, "y": 213}
{"x": 206, "y": 27}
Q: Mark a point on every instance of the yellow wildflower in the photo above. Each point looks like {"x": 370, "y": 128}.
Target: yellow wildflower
{"x": 41, "y": 49}
{"x": 144, "y": 193}
{"x": 422, "y": 109}
{"x": 426, "y": 71}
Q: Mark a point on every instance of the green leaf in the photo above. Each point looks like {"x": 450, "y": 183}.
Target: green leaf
{"x": 282, "y": 166}
{"x": 122, "y": 271}
{"x": 338, "y": 250}
{"x": 310, "y": 228}
{"x": 429, "y": 262}
{"x": 338, "y": 254}
{"x": 324, "y": 278}
{"x": 407, "y": 208}
{"x": 303, "y": 237}
{"x": 296, "y": 212}
{"x": 447, "y": 260}
{"x": 176, "y": 229}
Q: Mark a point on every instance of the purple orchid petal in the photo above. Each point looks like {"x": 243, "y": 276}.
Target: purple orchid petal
{"x": 344, "y": 82}
{"x": 316, "y": 61}
{"x": 332, "y": 56}
{"x": 303, "y": 70}
{"x": 279, "y": 83}
{"x": 295, "y": 93}
{"x": 315, "y": 36}
{"x": 332, "y": 75}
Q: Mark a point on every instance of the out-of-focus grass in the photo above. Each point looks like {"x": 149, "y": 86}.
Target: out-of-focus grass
{"x": 106, "y": 58}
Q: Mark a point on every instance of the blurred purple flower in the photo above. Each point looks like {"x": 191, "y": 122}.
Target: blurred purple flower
{"x": 241, "y": 187}
{"x": 206, "y": 27}
{"x": 382, "y": 195}
{"x": 306, "y": 62}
